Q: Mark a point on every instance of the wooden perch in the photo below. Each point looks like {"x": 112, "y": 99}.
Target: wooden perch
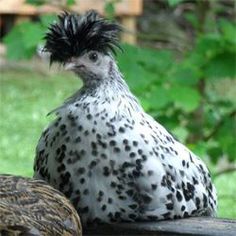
{"x": 206, "y": 226}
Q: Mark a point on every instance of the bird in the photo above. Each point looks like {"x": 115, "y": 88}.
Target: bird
{"x": 32, "y": 207}
{"x": 113, "y": 161}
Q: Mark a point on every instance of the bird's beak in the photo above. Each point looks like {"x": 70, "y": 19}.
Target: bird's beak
{"x": 70, "y": 64}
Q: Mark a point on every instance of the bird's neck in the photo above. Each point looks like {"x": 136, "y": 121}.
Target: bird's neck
{"x": 112, "y": 88}
{"x": 113, "y": 82}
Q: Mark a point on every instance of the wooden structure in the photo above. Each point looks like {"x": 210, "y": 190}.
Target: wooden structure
{"x": 126, "y": 10}
{"x": 183, "y": 227}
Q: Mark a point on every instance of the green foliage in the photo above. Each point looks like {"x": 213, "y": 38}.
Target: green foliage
{"x": 70, "y": 2}
{"x": 169, "y": 90}
{"x": 36, "y": 2}
{"x": 215, "y": 52}
{"x": 109, "y": 8}
{"x": 24, "y": 38}
{"x": 41, "y": 2}
{"x": 174, "y": 2}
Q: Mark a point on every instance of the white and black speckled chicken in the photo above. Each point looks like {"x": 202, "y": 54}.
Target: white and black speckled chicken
{"x": 109, "y": 157}
{"x": 32, "y": 207}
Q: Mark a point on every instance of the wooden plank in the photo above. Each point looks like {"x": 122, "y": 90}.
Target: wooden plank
{"x": 124, "y": 7}
{"x": 16, "y": 7}
{"x": 187, "y": 227}
{"x": 129, "y": 35}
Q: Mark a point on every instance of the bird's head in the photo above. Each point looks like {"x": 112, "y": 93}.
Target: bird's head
{"x": 83, "y": 44}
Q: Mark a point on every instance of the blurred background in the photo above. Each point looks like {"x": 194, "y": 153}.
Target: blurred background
{"x": 179, "y": 59}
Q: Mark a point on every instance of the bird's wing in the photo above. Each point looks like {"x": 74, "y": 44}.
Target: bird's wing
{"x": 177, "y": 180}
{"x": 32, "y": 206}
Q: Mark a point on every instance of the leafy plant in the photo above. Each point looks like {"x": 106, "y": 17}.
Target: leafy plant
{"x": 174, "y": 2}
{"x": 181, "y": 93}
{"x": 168, "y": 89}
{"x": 59, "y": 3}
{"x": 109, "y": 8}
{"x": 23, "y": 39}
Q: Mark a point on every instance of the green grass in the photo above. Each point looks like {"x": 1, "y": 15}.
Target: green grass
{"x": 26, "y": 98}
{"x": 226, "y": 189}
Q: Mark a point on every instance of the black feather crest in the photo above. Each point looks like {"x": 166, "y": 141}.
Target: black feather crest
{"x": 73, "y": 34}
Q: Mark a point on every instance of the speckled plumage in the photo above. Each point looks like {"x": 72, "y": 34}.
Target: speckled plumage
{"x": 113, "y": 160}
{"x": 32, "y": 207}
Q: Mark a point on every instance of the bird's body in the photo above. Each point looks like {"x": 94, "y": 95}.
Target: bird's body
{"x": 114, "y": 161}
{"x": 32, "y": 207}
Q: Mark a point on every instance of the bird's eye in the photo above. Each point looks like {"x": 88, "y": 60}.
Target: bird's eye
{"x": 93, "y": 56}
